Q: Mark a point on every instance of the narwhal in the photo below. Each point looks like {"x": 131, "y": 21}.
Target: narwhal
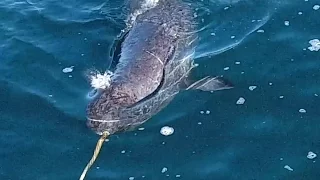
{"x": 152, "y": 61}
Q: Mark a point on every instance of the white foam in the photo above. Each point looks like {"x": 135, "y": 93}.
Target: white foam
{"x": 315, "y": 45}
{"x": 251, "y": 88}
{"x": 164, "y": 170}
{"x": 302, "y": 111}
{"x": 311, "y": 155}
{"x": 100, "y": 81}
{"x": 241, "y": 100}
{"x": 287, "y": 23}
{"x": 166, "y": 130}
{"x": 68, "y": 69}
{"x": 288, "y": 168}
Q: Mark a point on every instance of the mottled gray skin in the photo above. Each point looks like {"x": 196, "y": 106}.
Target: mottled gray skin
{"x": 152, "y": 69}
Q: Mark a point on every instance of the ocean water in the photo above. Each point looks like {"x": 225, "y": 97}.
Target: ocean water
{"x": 262, "y": 47}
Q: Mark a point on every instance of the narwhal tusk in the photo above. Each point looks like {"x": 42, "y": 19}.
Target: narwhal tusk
{"x": 95, "y": 154}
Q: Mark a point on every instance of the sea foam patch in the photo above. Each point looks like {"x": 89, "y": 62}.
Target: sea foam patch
{"x": 99, "y": 80}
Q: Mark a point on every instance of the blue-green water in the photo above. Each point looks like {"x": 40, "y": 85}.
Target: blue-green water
{"x": 42, "y": 110}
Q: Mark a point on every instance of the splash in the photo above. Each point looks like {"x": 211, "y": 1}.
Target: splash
{"x": 99, "y": 80}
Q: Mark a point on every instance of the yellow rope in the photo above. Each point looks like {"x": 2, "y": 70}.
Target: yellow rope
{"x": 95, "y": 154}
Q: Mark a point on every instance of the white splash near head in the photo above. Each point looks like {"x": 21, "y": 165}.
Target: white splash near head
{"x": 145, "y": 6}
{"x": 99, "y": 80}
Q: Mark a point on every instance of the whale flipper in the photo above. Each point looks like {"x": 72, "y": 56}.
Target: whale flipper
{"x": 211, "y": 84}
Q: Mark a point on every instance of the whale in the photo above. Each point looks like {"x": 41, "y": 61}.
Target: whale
{"x": 152, "y": 61}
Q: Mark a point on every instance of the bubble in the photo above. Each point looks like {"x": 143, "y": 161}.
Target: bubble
{"x": 68, "y": 69}
{"x": 207, "y": 112}
{"x": 131, "y": 178}
{"x": 311, "y": 155}
{"x": 164, "y": 170}
{"x": 241, "y": 100}
{"x": 166, "y": 130}
{"x": 288, "y": 168}
{"x": 302, "y": 111}
{"x": 316, "y": 7}
{"x": 287, "y": 23}
{"x": 260, "y": 31}
{"x": 315, "y": 45}
{"x": 251, "y": 88}
{"x": 141, "y": 129}
{"x": 226, "y": 68}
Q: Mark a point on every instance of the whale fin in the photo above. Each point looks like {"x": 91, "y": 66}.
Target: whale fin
{"x": 211, "y": 84}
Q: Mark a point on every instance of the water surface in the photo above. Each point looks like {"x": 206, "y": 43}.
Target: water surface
{"x": 42, "y": 109}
